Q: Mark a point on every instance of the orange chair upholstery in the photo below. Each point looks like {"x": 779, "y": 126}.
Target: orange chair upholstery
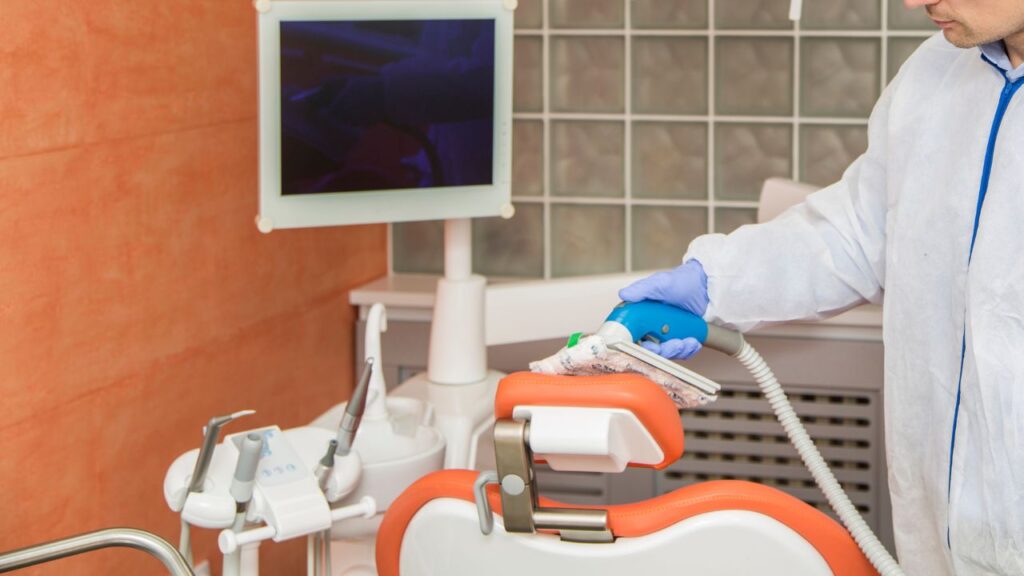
{"x": 632, "y": 392}
{"x": 834, "y": 544}
{"x": 659, "y": 416}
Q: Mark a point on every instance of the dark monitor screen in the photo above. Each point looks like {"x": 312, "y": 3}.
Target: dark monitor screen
{"x": 386, "y": 105}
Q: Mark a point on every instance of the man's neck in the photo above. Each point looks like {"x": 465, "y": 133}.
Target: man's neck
{"x": 1014, "y": 45}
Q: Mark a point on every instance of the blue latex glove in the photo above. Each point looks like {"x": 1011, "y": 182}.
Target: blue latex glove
{"x": 685, "y": 287}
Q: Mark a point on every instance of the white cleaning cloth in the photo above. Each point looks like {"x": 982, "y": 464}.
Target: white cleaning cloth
{"x": 590, "y": 356}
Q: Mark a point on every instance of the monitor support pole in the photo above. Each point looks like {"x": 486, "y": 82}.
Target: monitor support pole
{"x": 458, "y": 351}
{"x": 461, "y": 389}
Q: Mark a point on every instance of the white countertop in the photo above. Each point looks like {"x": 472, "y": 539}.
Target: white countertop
{"x": 563, "y": 306}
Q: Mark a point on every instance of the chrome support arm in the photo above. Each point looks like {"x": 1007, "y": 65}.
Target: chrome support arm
{"x": 112, "y": 537}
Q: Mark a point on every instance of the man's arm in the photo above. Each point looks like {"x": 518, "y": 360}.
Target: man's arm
{"x": 816, "y": 259}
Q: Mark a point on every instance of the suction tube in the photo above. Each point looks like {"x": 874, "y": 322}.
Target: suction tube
{"x": 837, "y": 498}
{"x": 648, "y": 319}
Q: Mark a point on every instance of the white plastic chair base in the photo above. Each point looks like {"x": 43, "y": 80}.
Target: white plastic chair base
{"x": 444, "y": 538}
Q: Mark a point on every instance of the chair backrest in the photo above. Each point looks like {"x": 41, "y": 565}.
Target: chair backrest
{"x": 779, "y": 194}
{"x": 593, "y": 423}
{"x": 574, "y": 420}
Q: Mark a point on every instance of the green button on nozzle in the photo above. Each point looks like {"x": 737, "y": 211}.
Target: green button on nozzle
{"x": 574, "y": 339}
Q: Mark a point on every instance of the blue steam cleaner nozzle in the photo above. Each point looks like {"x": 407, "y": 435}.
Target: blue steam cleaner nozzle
{"x": 657, "y": 320}
{"x": 660, "y": 321}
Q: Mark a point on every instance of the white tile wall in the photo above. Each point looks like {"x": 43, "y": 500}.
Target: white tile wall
{"x": 587, "y": 158}
{"x": 670, "y": 160}
{"x": 640, "y": 124}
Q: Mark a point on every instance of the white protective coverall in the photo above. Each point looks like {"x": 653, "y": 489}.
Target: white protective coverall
{"x": 898, "y": 229}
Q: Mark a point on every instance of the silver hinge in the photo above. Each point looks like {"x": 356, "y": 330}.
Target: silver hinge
{"x": 520, "y": 509}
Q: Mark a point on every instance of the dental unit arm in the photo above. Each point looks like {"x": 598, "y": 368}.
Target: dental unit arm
{"x": 629, "y": 323}
{"x": 285, "y": 493}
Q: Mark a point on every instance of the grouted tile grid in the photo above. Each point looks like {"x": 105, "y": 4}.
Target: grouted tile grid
{"x": 640, "y": 124}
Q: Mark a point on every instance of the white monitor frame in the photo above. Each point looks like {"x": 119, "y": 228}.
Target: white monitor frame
{"x": 343, "y": 208}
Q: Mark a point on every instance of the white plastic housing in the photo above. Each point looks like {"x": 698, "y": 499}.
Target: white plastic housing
{"x": 208, "y": 510}
{"x": 230, "y": 541}
{"x": 458, "y": 352}
{"x": 286, "y": 495}
{"x": 576, "y": 439}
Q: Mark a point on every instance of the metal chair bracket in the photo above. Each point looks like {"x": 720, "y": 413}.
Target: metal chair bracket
{"x": 520, "y": 508}
{"x": 483, "y": 506}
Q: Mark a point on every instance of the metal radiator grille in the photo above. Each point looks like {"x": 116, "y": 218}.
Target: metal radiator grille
{"x": 738, "y": 437}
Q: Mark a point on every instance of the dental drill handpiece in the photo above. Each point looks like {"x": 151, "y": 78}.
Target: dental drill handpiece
{"x": 211, "y": 433}
{"x": 325, "y": 466}
{"x": 354, "y": 411}
{"x": 245, "y": 475}
{"x": 242, "y": 483}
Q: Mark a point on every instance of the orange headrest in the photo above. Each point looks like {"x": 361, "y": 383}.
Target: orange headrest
{"x": 632, "y": 392}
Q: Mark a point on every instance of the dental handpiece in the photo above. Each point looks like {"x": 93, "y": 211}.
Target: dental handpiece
{"x": 354, "y": 411}
{"x": 325, "y": 466}
{"x": 245, "y": 474}
{"x": 249, "y": 453}
{"x": 211, "y": 433}
{"x": 210, "y": 436}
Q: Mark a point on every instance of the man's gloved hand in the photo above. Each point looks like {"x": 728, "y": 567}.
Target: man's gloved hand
{"x": 685, "y": 287}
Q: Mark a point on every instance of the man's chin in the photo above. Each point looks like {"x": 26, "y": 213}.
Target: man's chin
{"x": 959, "y": 39}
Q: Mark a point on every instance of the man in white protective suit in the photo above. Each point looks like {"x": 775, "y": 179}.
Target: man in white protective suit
{"x": 930, "y": 223}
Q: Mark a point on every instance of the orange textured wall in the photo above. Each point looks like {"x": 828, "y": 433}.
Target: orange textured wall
{"x": 137, "y": 298}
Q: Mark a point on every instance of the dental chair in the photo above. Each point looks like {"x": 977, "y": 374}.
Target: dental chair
{"x": 462, "y": 522}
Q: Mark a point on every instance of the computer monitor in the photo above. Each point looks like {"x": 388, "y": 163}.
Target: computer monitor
{"x": 383, "y": 110}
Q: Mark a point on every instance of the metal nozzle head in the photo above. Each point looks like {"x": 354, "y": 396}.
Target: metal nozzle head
{"x": 354, "y": 412}
{"x": 357, "y": 404}
{"x": 249, "y": 457}
{"x": 217, "y": 422}
{"x": 328, "y": 459}
{"x": 324, "y": 467}
{"x": 347, "y": 433}
{"x": 210, "y": 434}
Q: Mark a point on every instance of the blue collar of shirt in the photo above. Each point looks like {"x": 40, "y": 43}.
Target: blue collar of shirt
{"x": 995, "y": 52}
